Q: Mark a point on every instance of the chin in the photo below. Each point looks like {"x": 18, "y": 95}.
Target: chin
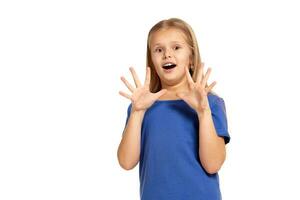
{"x": 171, "y": 81}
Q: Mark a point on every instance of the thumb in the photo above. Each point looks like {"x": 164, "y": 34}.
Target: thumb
{"x": 160, "y": 93}
{"x": 180, "y": 95}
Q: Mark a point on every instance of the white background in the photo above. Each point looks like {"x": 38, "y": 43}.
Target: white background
{"x": 61, "y": 117}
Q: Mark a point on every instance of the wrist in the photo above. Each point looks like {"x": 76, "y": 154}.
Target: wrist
{"x": 141, "y": 112}
{"x": 204, "y": 112}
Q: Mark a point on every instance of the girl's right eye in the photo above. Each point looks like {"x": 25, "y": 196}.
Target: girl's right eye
{"x": 157, "y": 50}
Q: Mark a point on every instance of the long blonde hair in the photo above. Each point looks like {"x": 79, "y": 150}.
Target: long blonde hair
{"x": 155, "y": 84}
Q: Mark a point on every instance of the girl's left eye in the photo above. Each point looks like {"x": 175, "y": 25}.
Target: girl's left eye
{"x": 177, "y": 47}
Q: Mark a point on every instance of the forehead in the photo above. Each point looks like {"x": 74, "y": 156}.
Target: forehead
{"x": 166, "y": 36}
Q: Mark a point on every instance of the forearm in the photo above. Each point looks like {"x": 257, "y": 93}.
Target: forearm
{"x": 212, "y": 150}
{"x": 129, "y": 148}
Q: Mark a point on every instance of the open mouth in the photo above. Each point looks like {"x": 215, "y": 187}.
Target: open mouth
{"x": 169, "y": 66}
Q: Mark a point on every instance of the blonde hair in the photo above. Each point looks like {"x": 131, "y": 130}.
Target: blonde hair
{"x": 176, "y": 23}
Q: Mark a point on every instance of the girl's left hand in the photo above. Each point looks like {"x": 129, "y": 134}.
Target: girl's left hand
{"x": 196, "y": 96}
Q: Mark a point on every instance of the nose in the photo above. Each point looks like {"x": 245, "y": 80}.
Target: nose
{"x": 167, "y": 54}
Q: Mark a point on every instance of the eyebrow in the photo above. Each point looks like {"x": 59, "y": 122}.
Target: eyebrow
{"x": 157, "y": 44}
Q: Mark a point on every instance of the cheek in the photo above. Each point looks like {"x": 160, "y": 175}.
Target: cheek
{"x": 155, "y": 60}
{"x": 184, "y": 58}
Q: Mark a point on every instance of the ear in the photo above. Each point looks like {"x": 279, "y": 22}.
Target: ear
{"x": 191, "y": 60}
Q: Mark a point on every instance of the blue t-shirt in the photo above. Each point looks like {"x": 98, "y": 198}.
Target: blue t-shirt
{"x": 169, "y": 166}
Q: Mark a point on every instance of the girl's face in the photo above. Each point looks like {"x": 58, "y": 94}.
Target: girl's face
{"x": 170, "y": 55}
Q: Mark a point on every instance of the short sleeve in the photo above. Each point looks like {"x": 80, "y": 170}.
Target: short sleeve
{"x": 220, "y": 119}
{"x": 128, "y": 113}
{"x": 127, "y": 117}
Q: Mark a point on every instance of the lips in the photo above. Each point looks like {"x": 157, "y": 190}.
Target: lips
{"x": 169, "y": 65}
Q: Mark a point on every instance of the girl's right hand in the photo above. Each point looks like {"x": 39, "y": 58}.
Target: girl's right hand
{"x": 142, "y": 98}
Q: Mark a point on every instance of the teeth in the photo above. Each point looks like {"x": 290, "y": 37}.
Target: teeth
{"x": 168, "y": 64}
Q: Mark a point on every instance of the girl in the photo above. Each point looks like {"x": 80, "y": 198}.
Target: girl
{"x": 176, "y": 127}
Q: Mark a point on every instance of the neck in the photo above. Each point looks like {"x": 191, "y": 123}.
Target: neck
{"x": 173, "y": 89}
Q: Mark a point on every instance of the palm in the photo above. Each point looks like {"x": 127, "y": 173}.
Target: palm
{"x": 142, "y": 98}
{"x": 196, "y": 96}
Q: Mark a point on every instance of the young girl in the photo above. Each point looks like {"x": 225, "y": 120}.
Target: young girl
{"x": 176, "y": 127}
